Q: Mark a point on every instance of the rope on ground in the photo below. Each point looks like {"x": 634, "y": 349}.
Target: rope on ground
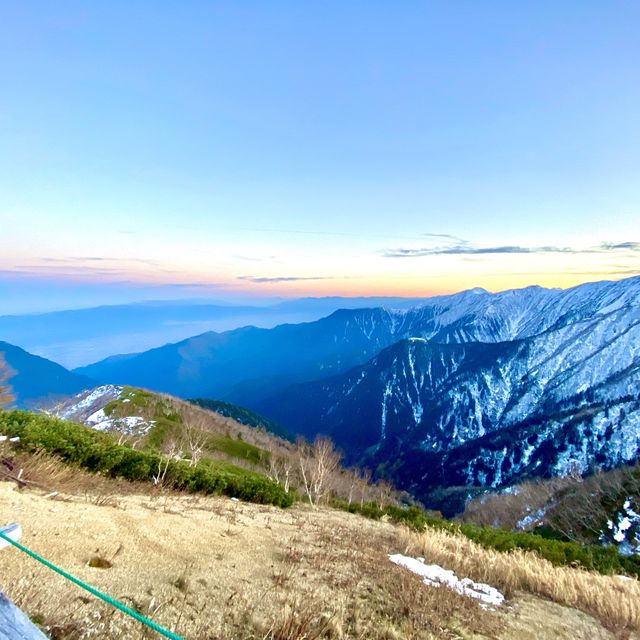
{"x": 98, "y": 594}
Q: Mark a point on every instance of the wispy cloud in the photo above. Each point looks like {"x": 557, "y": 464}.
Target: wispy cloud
{"x": 628, "y": 246}
{"x": 355, "y": 234}
{"x": 264, "y": 279}
{"x": 65, "y": 270}
{"x": 79, "y": 260}
{"x": 255, "y": 258}
{"x": 74, "y": 260}
{"x": 447, "y": 236}
{"x": 463, "y": 247}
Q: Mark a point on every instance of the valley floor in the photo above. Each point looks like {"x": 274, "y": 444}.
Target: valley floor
{"x": 212, "y": 568}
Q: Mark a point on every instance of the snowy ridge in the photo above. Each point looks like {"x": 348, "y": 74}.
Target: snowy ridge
{"x": 82, "y": 406}
{"x": 88, "y": 408}
{"x": 487, "y": 389}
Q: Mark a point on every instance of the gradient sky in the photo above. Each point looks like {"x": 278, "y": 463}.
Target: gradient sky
{"x": 239, "y": 149}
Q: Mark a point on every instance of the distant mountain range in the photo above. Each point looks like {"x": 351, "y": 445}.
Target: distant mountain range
{"x": 473, "y": 389}
{"x": 77, "y": 337}
{"x": 36, "y": 381}
{"x": 483, "y": 414}
{"x": 249, "y": 364}
{"x": 528, "y": 383}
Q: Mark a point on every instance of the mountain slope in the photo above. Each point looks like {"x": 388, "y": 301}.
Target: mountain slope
{"x": 248, "y": 365}
{"x": 485, "y": 414}
{"x": 37, "y": 381}
{"x": 262, "y": 360}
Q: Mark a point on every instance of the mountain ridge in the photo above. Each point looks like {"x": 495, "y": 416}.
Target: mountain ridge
{"x": 348, "y": 338}
{"x": 35, "y": 380}
{"x": 453, "y": 403}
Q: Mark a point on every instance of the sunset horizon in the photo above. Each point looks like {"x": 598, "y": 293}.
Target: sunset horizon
{"x": 230, "y": 153}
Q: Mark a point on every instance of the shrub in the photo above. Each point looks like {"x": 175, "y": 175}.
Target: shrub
{"x": 100, "y": 453}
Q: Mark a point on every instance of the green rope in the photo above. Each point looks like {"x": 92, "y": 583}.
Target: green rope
{"x": 108, "y": 599}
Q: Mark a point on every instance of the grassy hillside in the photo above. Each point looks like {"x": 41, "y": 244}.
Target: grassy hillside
{"x": 175, "y": 428}
{"x": 101, "y": 453}
{"x": 174, "y": 424}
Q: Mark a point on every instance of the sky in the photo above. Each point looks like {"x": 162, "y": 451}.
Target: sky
{"x": 243, "y": 150}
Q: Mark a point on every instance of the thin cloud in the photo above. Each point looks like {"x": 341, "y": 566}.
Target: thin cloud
{"x": 356, "y": 234}
{"x": 628, "y": 246}
{"x": 464, "y": 248}
{"x": 62, "y": 270}
{"x": 75, "y": 260}
{"x": 255, "y": 258}
{"x": 468, "y": 250}
{"x": 265, "y": 280}
{"x": 447, "y": 236}
{"x": 193, "y": 285}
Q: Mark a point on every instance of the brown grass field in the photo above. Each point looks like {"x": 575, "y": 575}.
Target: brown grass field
{"x": 211, "y": 568}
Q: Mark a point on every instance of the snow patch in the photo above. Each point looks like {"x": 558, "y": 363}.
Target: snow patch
{"x": 531, "y": 520}
{"x": 623, "y": 530}
{"x": 435, "y": 576}
{"x": 93, "y": 396}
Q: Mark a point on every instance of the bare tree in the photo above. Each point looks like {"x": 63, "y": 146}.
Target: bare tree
{"x": 278, "y": 466}
{"x": 363, "y": 483}
{"x": 195, "y": 440}
{"x": 170, "y": 451}
{"x": 354, "y": 479}
{"x": 6, "y": 393}
{"x": 384, "y": 491}
{"x": 317, "y": 463}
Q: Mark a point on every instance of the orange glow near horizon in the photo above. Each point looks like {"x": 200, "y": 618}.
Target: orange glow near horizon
{"x": 317, "y": 274}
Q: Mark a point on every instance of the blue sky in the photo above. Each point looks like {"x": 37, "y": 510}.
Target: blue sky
{"x": 156, "y": 149}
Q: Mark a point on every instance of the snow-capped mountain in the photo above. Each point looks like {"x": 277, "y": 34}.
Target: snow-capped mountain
{"x": 249, "y": 364}
{"x": 469, "y": 389}
{"x": 549, "y": 384}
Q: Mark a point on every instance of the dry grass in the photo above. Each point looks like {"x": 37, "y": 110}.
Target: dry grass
{"x": 299, "y": 620}
{"x": 212, "y": 569}
{"x": 505, "y": 510}
{"x": 43, "y": 471}
{"x": 613, "y": 600}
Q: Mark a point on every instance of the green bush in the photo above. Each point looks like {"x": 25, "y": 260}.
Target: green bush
{"x": 560, "y": 553}
{"x": 237, "y": 448}
{"x": 100, "y": 453}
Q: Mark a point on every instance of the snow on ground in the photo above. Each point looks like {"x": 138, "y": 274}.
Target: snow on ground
{"x": 100, "y": 394}
{"x": 97, "y": 417}
{"x": 88, "y": 408}
{"x": 436, "y": 576}
{"x": 129, "y": 424}
{"x": 624, "y": 529}
{"x": 531, "y": 520}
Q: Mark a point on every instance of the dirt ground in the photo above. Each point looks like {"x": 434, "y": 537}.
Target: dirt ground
{"x": 212, "y": 568}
